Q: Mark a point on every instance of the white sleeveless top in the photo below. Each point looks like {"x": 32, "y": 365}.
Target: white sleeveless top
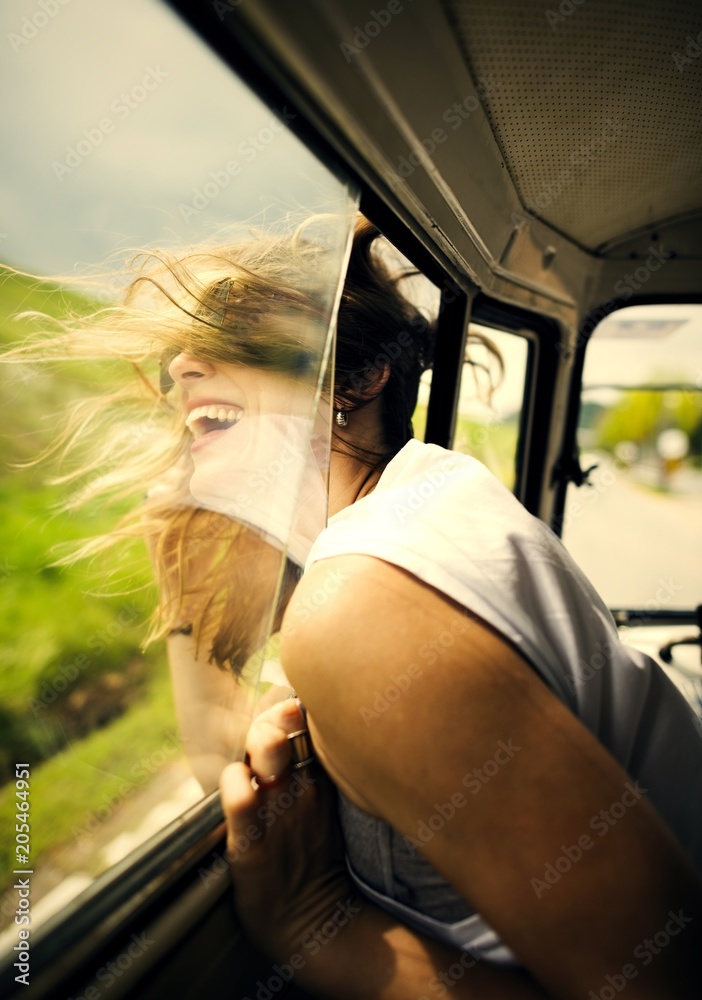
{"x": 446, "y": 519}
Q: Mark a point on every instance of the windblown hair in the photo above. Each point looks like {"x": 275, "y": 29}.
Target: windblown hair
{"x": 379, "y": 326}
{"x": 263, "y": 301}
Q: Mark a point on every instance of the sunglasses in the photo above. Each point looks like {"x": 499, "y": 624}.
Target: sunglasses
{"x": 165, "y": 381}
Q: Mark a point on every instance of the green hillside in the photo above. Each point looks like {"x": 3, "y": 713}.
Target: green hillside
{"x": 71, "y": 668}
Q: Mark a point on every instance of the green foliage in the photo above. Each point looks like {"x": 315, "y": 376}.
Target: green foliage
{"x": 635, "y": 418}
{"x": 36, "y": 394}
{"x": 73, "y": 792}
{"x": 20, "y": 293}
{"x": 641, "y": 415}
{"x": 71, "y": 669}
{"x": 494, "y": 444}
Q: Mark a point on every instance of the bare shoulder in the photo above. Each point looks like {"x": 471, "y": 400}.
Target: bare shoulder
{"x": 428, "y": 719}
{"x": 375, "y": 613}
{"x": 388, "y": 667}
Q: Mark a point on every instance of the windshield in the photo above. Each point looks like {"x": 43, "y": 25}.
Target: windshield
{"x": 635, "y": 527}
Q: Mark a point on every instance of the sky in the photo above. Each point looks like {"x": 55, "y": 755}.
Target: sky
{"x": 113, "y": 120}
{"x": 119, "y": 128}
{"x": 614, "y": 356}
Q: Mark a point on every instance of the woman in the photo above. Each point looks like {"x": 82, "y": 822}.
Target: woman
{"x": 512, "y": 829}
{"x": 525, "y": 786}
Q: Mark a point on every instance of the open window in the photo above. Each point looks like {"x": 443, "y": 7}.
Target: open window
{"x": 491, "y": 403}
{"x": 634, "y": 525}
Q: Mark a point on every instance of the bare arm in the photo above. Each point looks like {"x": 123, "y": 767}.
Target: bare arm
{"x": 212, "y": 715}
{"x": 404, "y": 762}
{"x": 214, "y": 710}
{"x": 295, "y": 900}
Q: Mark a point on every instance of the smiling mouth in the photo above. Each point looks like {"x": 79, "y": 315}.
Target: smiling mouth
{"x": 207, "y": 419}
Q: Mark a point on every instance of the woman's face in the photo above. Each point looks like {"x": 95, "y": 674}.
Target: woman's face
{"x": 219, "y": 396}
{"x": 254, "y": 451}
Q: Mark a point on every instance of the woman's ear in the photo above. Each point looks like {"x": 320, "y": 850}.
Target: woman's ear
{"x": 365, "y": 387}
{"x": 376, "y": 381}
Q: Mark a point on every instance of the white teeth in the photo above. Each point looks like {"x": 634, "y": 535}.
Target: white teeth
{"x": 222, "y": 413}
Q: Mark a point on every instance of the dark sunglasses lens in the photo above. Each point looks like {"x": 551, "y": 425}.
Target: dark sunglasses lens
{"x": 166, "y": 383}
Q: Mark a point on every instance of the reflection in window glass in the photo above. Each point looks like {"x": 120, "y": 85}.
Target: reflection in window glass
{"x": 490, "y": 400}
{"x": 119, "y": 138}
{"x": 636, "y": 528}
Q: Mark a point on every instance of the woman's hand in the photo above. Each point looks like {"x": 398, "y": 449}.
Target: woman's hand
{"x": 294, "y": 897}
{"x": 283, "y": 841}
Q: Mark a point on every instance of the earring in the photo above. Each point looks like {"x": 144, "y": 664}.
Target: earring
{"x": 342, "y": 418}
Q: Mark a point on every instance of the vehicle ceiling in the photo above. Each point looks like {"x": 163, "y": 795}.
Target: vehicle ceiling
{"x": 584, "y": 147}
{"x": 598, "y": 88}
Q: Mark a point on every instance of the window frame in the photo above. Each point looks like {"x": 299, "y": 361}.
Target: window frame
{"x": 174, "y": 878}
{"x": 567, "y": 470}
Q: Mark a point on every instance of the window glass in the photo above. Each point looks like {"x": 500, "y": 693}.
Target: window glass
{"x": 125, "y": 131}
{"x": 635, "y": 528}
{"x": 490, "y": 401}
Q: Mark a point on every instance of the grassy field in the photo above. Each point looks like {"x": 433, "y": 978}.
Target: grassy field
{"x": 79, "y": 700}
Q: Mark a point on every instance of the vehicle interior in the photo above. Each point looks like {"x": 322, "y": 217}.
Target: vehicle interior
{"x": 541, "y": 168}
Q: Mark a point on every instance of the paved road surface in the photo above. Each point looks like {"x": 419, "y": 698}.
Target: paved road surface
{"x": 640, "y": 548}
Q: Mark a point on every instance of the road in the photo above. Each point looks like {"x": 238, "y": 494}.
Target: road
{"x": 69, "y": 868}
{"x": 640, "y": 548}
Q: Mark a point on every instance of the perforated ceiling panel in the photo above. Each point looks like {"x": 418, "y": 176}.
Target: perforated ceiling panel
{"x": 596, "y": 106}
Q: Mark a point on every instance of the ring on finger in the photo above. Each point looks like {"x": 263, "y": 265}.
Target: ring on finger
{"x": 301, "y": 750}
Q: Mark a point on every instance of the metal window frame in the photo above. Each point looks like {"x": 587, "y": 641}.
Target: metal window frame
{"x": 160, "y": 884}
